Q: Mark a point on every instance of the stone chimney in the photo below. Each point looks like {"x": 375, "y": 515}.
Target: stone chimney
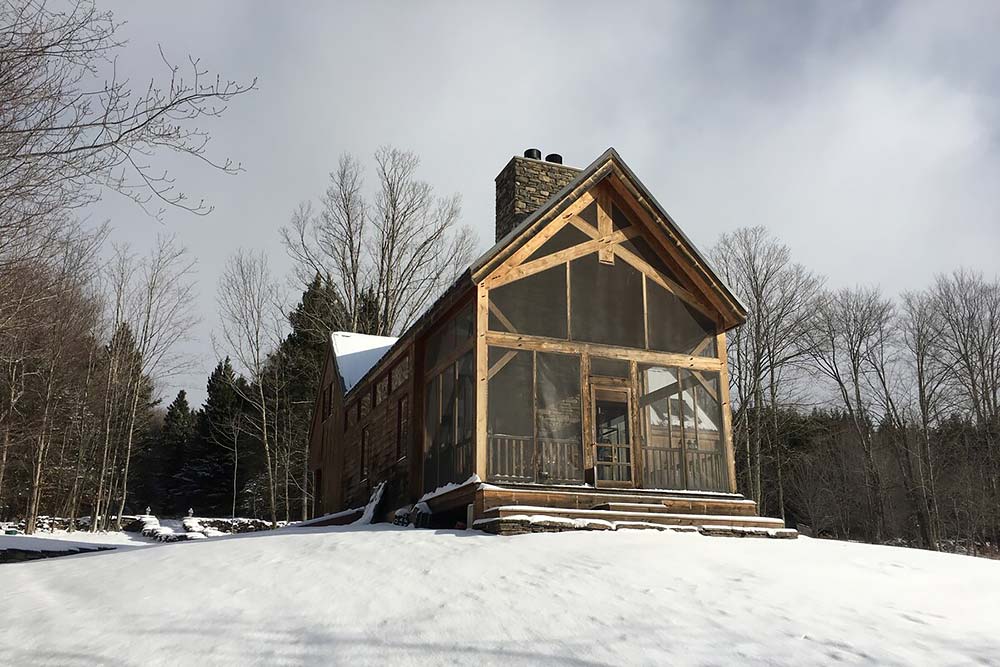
{"x": 525, "y": 184}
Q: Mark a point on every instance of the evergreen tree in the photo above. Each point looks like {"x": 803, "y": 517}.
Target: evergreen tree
{"x": 171, "y": 451}
{"x": 223, "y": 460}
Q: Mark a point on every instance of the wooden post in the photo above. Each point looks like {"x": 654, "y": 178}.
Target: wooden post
{"x": 727, "y": 414}
{"x": 635, "y": 417}
{"x": 482, "y": 378}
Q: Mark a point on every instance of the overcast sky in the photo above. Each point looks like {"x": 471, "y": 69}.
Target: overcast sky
{"x": 865, "y": 135}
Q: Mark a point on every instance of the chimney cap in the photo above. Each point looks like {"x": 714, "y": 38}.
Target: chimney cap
{"x": 554, "y": 158}
{"x": 533, "y": 153}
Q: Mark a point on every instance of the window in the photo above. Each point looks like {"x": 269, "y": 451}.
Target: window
{"x": 317, "y": 495}
{"x": 400, "y": 373}
{"x": 449, "y": 337}
{"x": 402, "y": 427}
{"x": 365, "y": 406}
{"x": 381, "y": 389}
{"x": 450, "y": 424}
{"x": 365, "y": 453}
{"x": 351, "y": 415}
{"x": 327, "y": 401}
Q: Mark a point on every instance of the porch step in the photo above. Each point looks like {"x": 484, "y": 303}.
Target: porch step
{"x": 583, "y": 498}
{"x": 647, "y": 515}
{"x": 740, "y": 508}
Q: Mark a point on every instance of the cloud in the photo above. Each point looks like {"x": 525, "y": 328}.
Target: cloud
{"x": 863, "y": 134}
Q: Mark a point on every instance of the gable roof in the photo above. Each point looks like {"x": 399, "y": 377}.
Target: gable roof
{"x": 610, "y": 162}
{"x": 356, "y": 354}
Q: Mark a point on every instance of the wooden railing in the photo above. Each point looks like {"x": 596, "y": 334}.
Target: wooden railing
{"x": 517, "y": 459}
{"x": 706, "y": 471}
{"x": 661, "y": 469}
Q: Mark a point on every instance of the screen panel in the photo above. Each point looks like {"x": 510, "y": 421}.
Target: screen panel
{"x": 606, "y": 303}
{"x": 510, "y": 416}
{"x": 558, "y": 417}
{"x": 535, "y": 305}
{"x": 676, "y": 326}
{"x": 565, "y": 238}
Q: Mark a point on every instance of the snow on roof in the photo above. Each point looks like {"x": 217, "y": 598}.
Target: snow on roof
{"x": 357, "y": 353}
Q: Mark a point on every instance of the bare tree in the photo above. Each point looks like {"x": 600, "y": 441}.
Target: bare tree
{"x": 387, "y": 256}
{"x": 65, "y": 134}
{"x": 250, "y": 315}
{"x": 848, "y": 327}
{"x": 779, "y": 296}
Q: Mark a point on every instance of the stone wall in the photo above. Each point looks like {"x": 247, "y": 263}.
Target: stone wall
{"x": 523, "y": 186}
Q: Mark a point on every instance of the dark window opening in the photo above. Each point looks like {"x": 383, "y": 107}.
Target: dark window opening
{"x": 612, "y": 368}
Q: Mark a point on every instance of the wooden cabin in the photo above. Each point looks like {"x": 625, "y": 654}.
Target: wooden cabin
{"x": 577, "y": 370}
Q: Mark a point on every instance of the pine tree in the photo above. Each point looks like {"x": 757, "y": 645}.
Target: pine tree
{"x": 172, "y": 449}
{"x": 223, "y": 461}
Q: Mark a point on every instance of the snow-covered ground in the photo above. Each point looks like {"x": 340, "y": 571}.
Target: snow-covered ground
{"x": 389, "y": 595}
{"x": 82, "y": 537}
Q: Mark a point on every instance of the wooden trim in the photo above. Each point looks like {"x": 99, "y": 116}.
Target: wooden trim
{"x": 727, "y": 414}
{"x": 569, "y": 305}
{"x": 525, "y": 342}
{"x": 482, "y": 378}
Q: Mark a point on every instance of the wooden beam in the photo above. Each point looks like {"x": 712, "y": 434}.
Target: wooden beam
{"x": 544, "y": 234}
{"x": 499, "y": 365}
{"x": 561, "y": 257}
{"x": 495, "y": 309}
{"x": 576, "y": 196}
{"x": 604, "y": 224}
{"x": 542, "y": 344}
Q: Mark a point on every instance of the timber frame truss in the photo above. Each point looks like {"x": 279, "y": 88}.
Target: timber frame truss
{"x": 608, "y": 187}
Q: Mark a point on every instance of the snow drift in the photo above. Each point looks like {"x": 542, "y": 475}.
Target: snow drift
{"x": 388, "y": 595}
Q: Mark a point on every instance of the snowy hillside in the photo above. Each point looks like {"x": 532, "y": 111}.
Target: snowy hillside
{"x": 387, "y": 595}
